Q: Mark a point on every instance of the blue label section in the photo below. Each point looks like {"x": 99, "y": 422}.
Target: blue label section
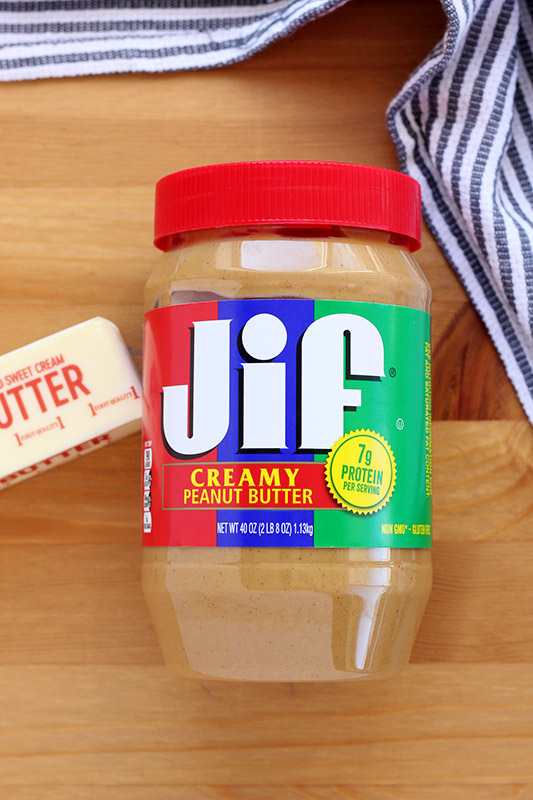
{"x": 296, "y": 315}
{"x": 283, "y": 528}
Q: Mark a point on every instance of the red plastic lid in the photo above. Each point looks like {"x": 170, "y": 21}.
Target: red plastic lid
{"x": 299, "y": 193}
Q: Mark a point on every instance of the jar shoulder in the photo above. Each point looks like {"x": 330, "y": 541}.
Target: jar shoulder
{"x": 318, "y": 269}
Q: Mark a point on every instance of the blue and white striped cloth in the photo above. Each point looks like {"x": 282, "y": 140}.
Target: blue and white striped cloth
{"x": 462, "y": 124}
{"x": 463, "y": 127}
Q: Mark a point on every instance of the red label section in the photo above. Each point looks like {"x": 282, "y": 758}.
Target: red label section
{"x": 211, "y": 485}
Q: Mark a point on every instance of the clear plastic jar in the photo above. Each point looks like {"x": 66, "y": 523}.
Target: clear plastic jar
{"x": 285, "y": 613}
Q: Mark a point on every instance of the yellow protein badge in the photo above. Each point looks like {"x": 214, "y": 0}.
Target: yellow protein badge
{"x": 361, "y": 471}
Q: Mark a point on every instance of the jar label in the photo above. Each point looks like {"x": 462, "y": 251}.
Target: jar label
{"x": 287, "y": 423}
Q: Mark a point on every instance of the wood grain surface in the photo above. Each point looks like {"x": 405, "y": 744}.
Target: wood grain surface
{"x": 87, "y": 710}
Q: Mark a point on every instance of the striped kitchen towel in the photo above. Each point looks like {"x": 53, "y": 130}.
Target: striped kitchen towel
{"x": 463, "y": 127}
{"x": 57, "y": 38}
{"x": 462, "y": 124}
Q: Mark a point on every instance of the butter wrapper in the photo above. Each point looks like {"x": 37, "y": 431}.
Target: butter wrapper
{"x": 65, "y": 395}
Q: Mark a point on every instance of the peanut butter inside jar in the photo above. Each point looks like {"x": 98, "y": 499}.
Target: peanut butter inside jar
{"x": 287, "y": 613}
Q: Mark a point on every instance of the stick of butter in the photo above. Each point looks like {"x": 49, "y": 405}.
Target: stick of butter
{"x": 64, "y": 395}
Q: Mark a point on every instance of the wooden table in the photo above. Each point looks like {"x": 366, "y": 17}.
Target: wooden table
{"x": 87, "y": 709}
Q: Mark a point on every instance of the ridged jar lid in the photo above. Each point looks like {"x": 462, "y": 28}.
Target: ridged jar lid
{"x": 295, "y": 193}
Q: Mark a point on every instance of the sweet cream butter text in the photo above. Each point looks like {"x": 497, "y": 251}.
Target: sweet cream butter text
{"x": 40, "y": 394}
{"x": 63, "y": 395}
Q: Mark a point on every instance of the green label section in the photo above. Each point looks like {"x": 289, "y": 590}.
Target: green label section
{"x": 380, "y": 471}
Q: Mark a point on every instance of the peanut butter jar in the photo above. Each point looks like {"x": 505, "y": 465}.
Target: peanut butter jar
{"x": 287, "y": 422}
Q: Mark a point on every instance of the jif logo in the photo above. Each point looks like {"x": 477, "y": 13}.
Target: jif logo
{"x": 333, "y": 351}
